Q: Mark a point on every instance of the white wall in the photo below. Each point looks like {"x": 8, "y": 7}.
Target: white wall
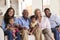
{"x": 55, "y": 6}
{"x": 4, "y": 8}
{"x": 8, "y": 4}
{"x": 36, "y": 4}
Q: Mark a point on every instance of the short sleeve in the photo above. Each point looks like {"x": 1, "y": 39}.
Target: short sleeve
{"x": 16, "y": 20}
{"x": 3, "y": 25}
{"x": 20, "y": 22}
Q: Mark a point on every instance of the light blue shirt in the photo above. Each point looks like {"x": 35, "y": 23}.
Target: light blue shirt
{"x": 23, "y": 23}
{"x": 3, "y": 23}
{"x": 54, "y": 20}
{"x": 59, "y": 36}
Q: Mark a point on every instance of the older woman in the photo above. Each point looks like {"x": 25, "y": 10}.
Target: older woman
{"x": 9, "y": 13}
{"x": 44, "y": 25}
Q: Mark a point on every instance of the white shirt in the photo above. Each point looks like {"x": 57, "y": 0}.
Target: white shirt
{"x": 1, "y": 34}
{"x": 54, "y": 21}
{"x": 44, "y": 23}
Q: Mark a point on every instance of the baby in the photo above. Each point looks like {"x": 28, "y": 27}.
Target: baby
{"x": 33, "y": 24}
{"x": 13, "y": 27}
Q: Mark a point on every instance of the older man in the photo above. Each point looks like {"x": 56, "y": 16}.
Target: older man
{"x": 24, "y": 24}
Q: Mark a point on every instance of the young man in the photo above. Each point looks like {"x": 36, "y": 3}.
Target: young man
{"x": 54, "y": 21}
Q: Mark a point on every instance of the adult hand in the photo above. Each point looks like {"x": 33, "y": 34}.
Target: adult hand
{"x": 25, "y": 28}
{"x": 7, "y": 27}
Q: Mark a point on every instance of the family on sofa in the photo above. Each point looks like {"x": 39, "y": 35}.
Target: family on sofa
{"x": 20, "y": 28}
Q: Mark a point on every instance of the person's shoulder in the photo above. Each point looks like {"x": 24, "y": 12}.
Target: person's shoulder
{"x": 29, "y": 19}
{"x": 45, "y": 19}
{"x": 44, "y": 16}
{"x": 15, "y": 17}
{"x": 20, "y": 17}
{"x": 54, "y": 16}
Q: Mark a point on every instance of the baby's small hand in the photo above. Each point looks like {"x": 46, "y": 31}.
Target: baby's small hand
{"x": 7, "y": 27}
{"x": 25, "y": 28}
{"x": 30, "y": 33}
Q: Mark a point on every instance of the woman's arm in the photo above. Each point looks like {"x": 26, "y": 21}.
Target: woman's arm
{"x": 3, "y": 25}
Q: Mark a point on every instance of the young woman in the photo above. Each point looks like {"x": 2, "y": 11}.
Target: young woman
{"x": 10, "y": 13}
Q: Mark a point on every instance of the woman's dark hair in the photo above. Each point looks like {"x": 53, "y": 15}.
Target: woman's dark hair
{"x": 33, "y": 16}
{"x": 46, "y": 9}
{"x": 6, "y": 16}
{"x": 57, "y": 26}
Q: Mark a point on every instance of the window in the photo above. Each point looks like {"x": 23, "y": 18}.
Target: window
{"x": 45, "y": 4}
{"x": 27, "y": 4}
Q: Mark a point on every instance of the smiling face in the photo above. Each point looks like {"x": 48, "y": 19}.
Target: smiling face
{"x": 11, "y": 21}
{"x": 47, "y": 12}
{"x": 11, "y": 12}
{"x": 25, "y": 13}
{"x": 33, "y": 20}
{"x": 38, "y": 13}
